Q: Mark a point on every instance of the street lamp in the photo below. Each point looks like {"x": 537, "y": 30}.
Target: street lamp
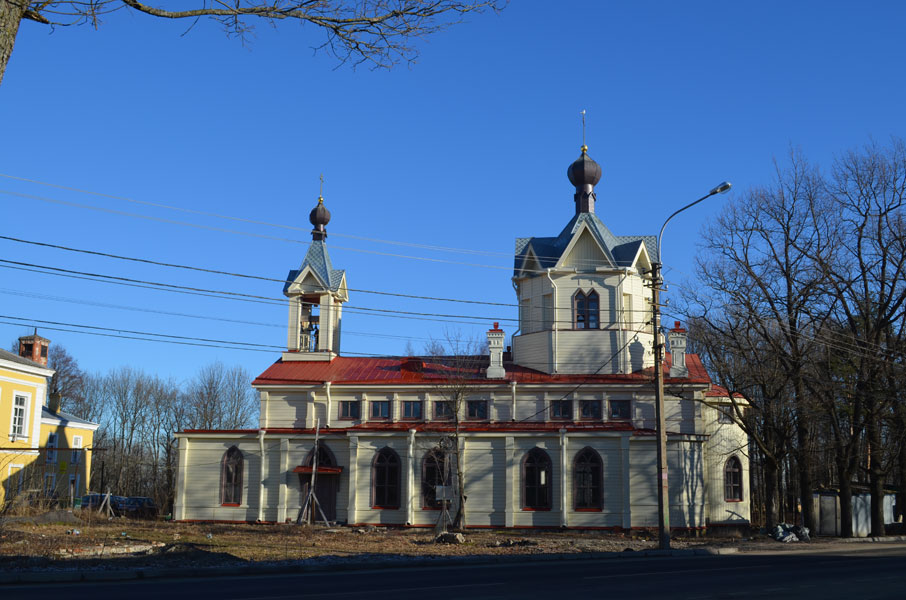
{"x": 663, "y": 506}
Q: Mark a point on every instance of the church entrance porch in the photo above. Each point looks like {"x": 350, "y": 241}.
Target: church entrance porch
{"x": 327, "y": 483}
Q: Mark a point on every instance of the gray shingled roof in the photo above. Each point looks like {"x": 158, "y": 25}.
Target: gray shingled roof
{"x": 621, "y": 248}
{"x": 64, "y": 417}
{"x": 22, "y": 361}
{"x": 318, "y": 260}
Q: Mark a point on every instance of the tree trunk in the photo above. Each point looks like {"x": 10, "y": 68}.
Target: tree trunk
{"x": 771, "y": 484}
{"x": 876, "y": 477}
{"x": 11, "y": 13}
{"x": 804, "y": 460}
{"x": 901, "y": 493}
{"x": 846, "y": 498}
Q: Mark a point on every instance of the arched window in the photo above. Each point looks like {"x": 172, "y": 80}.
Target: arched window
{"x": 536, "y": 480}
{"x": 435, "y": 471}
{"x": 733, "y": 480}
{"x": 325, "y": 457}
{"x": 587, "y": 480}
{"x": 587, "y": 310}
{"x": 385, "y": 480}
{"x": 231, "y": 477}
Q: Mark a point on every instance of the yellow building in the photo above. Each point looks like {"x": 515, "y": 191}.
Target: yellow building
{"x": 46, "y": 453}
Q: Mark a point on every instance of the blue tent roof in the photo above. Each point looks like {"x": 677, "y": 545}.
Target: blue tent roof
{"x": 548, "y": 250}
{"x": 318, "y": 260}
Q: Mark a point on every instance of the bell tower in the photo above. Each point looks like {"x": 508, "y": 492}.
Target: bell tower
{"x": 316, "y": 293}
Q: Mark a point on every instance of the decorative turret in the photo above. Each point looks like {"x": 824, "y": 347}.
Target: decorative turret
{"x": 677, "y": 339}
{"x": 495, "y": 349}
{"x": 584, "y": 173}
{"x": 34, "y": 347}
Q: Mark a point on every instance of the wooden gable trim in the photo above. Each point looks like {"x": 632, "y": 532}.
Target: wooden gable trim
{"x": 584, "y": 229}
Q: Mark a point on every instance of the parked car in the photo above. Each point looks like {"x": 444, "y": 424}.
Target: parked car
{"x": 140, "y": 507}
{"x": 92, "y": 501}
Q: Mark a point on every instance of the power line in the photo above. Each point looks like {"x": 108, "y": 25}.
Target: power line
{"x": 132, "y": 337}
{"x": 232, "y": 274}
{"x": 163, "y": 335}
{"x": 587, "y": 262}
{"x": 238, "y": 295}
{"x": 187, "y": 315}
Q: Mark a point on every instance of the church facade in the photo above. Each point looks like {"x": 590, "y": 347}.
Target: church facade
{"x": 558, "y": 431}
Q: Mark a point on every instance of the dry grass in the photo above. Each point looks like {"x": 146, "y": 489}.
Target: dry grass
{"x": 157, "y": 542}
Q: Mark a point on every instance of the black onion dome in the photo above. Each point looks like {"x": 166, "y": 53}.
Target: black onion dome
{"x": 319, "y": 215}
{"x": 584, "y": 170}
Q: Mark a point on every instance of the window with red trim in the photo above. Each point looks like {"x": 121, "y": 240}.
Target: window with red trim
{"x": 477, "y": 410}
{"x": 349, "y": 409}
{"x": 412, "y": 409}
{"x": 561, "y": 409}
{"x": 536, "y": 480}
{"x": 590, "y": 409}
{"x": 443, "y": 409}
{"x": 380, "y": 409}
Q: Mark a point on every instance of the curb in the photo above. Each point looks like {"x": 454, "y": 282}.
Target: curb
{"x": 299, "y": 568}
{"x": 887, "y": 538}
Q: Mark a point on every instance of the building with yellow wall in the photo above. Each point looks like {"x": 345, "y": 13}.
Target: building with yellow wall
{"x": 46, "y": 452}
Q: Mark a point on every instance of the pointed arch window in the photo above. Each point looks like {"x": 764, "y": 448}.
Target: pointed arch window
{"x": 587, "y": 480}
{"x": 536, "y": 480}
{"x": 586, "y": 310}
{"x": 733, "y": 480}
{"x": 231, "y": 477}
{"x": 385, "y": 480}
{"x": 435, "y": 471}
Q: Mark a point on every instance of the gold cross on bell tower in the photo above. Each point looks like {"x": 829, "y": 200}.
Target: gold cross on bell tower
{"x": 584, "y": 147}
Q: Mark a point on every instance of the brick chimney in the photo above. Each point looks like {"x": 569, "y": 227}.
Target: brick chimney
{"x": 495, "y": 348}
{"x": 677, "y": 340}
{"x": 34, "y": 347}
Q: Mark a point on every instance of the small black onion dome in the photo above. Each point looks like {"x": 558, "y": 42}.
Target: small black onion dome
{"x": 584, "y": 170}
{"x": 319, "y": 215}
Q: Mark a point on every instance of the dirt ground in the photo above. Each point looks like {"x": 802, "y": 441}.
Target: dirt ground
{"x": 66, "y": 540}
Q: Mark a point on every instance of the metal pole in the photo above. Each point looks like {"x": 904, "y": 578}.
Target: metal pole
{"x": 663, "y": 491}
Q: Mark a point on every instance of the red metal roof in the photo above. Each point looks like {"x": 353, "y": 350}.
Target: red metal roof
{"x": 388, "y": 370}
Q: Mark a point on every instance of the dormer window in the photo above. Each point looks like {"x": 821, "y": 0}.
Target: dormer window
{"x": 586, "y": 310}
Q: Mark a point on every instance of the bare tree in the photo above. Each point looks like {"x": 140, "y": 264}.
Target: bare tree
{"x": 868, "y": 283}
{"x": 377, "y": 33}
{"x": 220, "y": 398}
{"x": 765, "y": 283}
{"x": 457, "y": 366}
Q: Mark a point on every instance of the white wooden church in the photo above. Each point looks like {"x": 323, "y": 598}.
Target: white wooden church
{"x": 559, "y": 431}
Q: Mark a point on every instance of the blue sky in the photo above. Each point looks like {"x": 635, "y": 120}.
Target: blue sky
{"x": 466, "y": 149}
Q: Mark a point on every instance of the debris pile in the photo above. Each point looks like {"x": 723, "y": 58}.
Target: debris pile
{"x": 784, "y": 532}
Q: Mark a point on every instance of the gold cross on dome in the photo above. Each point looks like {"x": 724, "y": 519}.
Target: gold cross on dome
{"x": 583, "y": 126}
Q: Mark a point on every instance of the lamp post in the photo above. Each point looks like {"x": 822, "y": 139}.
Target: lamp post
{"x": 663, "y": 504}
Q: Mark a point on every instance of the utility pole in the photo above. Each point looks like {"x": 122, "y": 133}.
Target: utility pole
{"x": 663, "y": 491}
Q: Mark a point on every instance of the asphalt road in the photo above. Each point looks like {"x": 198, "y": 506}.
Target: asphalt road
{"x": 857, "y": 574}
